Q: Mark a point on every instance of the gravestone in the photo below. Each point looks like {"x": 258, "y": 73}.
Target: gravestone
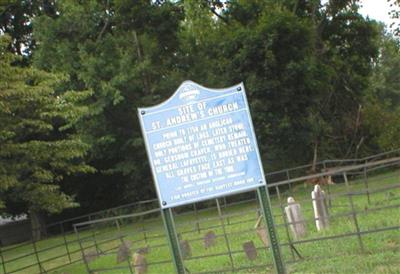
{"x": 90, "y": 256}
{"x": 124, "y": 251}
{"x": 143, "y": 250}
{"x": 209, "y": 239}
{"x": 185, "y": 249}
{"x": 139, "y": 263}
{"x": 295, "y": 218}
{"x": 320, "y": 208}
{"x": 250, "y": 250}
{"x": 262, "y": 232}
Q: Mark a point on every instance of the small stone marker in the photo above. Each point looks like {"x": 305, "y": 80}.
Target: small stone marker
{"x": 124, "y": 251}
{"x": 185, "y": 249}
{"x": 143, "y": 250}
{"x": 250, "y": 250}
{"x": 90, "y": 256}
{"x": 139, "y": 263}
{"x": 295, "y": 218}
{"x": 320, "y": 208}
{"x": 262, "y": 232}
{"x": 209, "y": 239}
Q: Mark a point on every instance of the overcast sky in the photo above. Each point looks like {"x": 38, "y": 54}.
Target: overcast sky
{"x": 376, "y": 9}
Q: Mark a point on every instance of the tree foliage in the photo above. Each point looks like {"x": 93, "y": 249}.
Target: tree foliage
{"x": 382, "y": 103}
{"x": 38, "y": 145}
{"x": 314, "y": 72}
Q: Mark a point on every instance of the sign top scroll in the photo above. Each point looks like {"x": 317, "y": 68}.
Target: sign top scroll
{"x": 201, "y": 144}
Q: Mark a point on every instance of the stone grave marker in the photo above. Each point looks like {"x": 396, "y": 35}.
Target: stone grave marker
{"x": 209, "y": 239}
{"x": 90, "y": 256}
{"x": 185, "y": 249}
{"x": 295, "y": 218}
{"x": 320, "y": 208}
{"x": 143, "y": 250}
{"x": 139, "y": 263}
{"x": 262, "y": 232}
{"x": 124, "y": 251}
{"x": 250, "y": 250}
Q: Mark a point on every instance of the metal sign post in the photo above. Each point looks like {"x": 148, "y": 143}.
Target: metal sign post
{"x": 201, "y": 145}
{"x": 266, "y": 211}
{"x": 173, "y": 240}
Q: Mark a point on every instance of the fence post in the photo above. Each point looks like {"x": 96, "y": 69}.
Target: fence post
{"x": 82, "y": 250}
{"x": 173, "y": 240}
{"x": 197, "y": 217}
{"x": 221, "y": 218}
{"x": 95, "y": 242}
{"x": 366, "y": 183}
{"x": 65, "y": 242}
{"x": 37, "y": 256}
{"x": 3, "y": 262}
{"x": 117, "y": 225}
{"x": 290, "y": 184}
{"x": 144, "y": 234}
{"x": 353, "y": 211}
{"x": 227, "y": 217}
{"x": 328, "y": 187}
{"x": 285, "y": 222}
{"x": 266, "y": 210}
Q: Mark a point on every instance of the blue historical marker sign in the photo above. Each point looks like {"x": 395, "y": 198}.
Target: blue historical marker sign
{"x": 201, "y": 144}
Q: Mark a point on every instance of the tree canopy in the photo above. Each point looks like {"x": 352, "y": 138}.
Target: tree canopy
{"x": 38, "y": 144}
{"x": 317, "y": 75}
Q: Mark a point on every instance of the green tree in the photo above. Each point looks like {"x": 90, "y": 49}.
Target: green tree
{"x": 16, "y": 18}
{"x": 38, "y": 147}
{"x": 125, "y": 52}
{"x": 306, "y": 69}
{"x": 382, "y": 104}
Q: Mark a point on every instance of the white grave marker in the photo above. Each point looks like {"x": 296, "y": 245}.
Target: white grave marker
{"x": 320, "y": 208}
{"x": 295, "y": 218}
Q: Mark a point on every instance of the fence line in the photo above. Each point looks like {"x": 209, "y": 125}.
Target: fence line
{"x": 353, "y": 214}
{"x": 366, "y": 167}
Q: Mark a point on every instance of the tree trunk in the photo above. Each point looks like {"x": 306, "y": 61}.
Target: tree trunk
{"x": 140, "y": 55}
{"x": 314, "y": 163}
{"x": 37, "y": 225}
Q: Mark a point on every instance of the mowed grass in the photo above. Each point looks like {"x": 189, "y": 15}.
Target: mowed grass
{"x": 337, "y": 249}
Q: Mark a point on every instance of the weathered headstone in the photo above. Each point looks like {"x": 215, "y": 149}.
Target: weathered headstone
{"x": 295, "y": 218}
{"x": 209, "y": 239}
{"x": 250, "y": 250}
{"x": 185, "y": 249}
{"x": 124, "y": 252}
{"x": 143, "y": 250}
{"x": 139, "y": 263}
{"x": 320, "y": 208}
{"x": 90, "y": 256}
{"x": 261, "y": 232}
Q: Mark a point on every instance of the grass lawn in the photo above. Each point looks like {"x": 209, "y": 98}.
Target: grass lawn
{"x": 322, "y": 252}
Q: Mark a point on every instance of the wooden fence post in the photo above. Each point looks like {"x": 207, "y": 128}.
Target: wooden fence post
{"x": 3, "y": 262}
{"x": 353, "y": 211}
{"x": 65, "y": 242}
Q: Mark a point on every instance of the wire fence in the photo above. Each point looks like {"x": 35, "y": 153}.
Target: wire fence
{"x": 223, "y": 238}
{"x": 59, "y": 246}
{"x": 214, "y": 232}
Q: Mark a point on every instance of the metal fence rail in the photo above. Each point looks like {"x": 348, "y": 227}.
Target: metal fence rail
{"x": 230, "y": 221}
{"x": 201, "y": 217}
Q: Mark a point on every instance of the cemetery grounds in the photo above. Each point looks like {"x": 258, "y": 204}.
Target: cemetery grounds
{"x": 363, "y": 235}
